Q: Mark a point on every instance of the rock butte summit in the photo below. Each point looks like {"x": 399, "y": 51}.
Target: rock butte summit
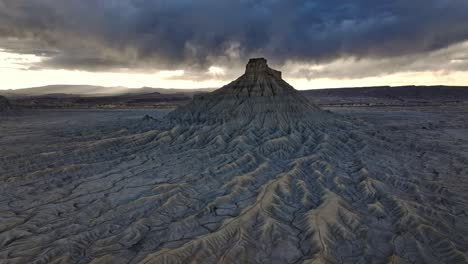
{"x": 259, "y": 80}
{"x": 259, "y": 66}
{"x": 258, "y": 92}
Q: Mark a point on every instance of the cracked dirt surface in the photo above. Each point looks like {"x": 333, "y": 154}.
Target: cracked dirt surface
{"x": 119, "y": 190}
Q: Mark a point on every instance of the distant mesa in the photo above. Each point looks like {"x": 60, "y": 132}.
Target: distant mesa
{"x": 259, "y": 93}
{"x": 95, "y": 91}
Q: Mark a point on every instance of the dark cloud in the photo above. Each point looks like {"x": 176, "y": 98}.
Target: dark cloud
{"x": 447, "y": 60}
{"x": 104, "y": 34}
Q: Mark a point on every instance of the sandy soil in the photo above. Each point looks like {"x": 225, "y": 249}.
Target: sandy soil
{"x": 386, "y": 185}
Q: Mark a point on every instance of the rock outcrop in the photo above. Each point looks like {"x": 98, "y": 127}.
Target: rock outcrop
{"x": 259, "y": 94}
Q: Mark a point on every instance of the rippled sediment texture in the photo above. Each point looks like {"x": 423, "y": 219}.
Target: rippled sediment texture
{"x": 321, "y": 189}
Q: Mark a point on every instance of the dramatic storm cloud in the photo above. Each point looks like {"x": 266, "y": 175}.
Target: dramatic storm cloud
{"x": 149, "y": 35}
{"x": 108, "y": 33}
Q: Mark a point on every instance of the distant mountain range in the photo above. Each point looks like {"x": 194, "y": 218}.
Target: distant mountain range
{"x": 357, "y": 95}
{"x": 90, "y": 90}
{"x": 406, "y": 92}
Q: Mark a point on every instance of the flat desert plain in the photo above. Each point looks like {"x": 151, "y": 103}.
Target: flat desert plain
{"x": 103, "y": 186}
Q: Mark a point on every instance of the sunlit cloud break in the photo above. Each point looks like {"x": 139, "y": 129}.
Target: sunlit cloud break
{"x": 361, "y": 42}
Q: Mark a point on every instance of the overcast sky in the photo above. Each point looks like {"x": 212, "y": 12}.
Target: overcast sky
{"x": 206, "y": 43}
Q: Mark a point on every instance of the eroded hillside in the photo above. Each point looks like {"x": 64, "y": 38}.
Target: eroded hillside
{"x": 251, "y": 173}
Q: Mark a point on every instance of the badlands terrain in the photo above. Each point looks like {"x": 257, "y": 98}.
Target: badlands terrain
{"x": 253, "y": 172}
